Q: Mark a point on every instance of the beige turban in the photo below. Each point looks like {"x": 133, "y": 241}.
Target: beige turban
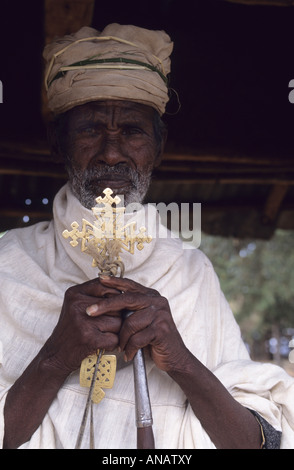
{"x": 119, "y": 63}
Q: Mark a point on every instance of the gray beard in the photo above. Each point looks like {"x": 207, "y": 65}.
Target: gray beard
{"x": 86, "y": 186}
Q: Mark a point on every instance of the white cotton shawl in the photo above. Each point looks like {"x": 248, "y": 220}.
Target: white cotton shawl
{"x": 37, "y": 265}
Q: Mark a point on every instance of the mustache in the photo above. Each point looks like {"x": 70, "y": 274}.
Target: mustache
{"x": 119, "y": 170}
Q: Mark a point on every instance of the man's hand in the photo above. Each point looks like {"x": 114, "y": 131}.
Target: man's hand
{"x": 77, "y": 335}
{"x": 151, "y": 324}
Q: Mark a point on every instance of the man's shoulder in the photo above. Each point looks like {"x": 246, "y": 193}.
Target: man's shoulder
{"x": 185, "y": 254}
{"x": 25, "y": 240}
{"x": 24, "y": 232}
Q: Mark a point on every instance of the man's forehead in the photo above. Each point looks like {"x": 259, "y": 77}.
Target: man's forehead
{"x": 125, "y": 109}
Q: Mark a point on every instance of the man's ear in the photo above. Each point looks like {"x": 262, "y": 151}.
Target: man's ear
{"x": 158, "y": 158}
{"x": 54, "y": 143}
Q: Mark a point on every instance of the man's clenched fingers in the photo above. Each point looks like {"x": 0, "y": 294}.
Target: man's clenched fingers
{"x": 125, "y": 301}
{"x": 93, "y": 288}
{"x": 127, "y": 285}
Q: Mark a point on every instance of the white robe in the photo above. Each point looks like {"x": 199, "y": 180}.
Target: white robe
{"x": 37, "y": 265}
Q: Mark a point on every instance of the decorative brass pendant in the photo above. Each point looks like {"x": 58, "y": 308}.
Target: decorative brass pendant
{"x": 105, "y": 374}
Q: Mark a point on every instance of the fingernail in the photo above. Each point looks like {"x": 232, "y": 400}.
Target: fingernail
{"x": 92, "y": 309}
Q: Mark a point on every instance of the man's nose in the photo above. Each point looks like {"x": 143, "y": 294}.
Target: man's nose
{"x": 112, "y": 152}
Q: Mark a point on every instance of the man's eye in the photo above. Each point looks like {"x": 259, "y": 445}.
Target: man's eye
{"x": 89, "y": 131}
{"x": 131, "y": 131}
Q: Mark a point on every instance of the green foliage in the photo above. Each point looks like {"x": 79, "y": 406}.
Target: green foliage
{"x": 257, "y": 278}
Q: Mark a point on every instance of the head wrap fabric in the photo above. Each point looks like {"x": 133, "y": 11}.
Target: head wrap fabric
{"x": 119, "y": 63}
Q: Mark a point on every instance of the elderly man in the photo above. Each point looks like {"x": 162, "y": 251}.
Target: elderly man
{"x": 108, "y": 91}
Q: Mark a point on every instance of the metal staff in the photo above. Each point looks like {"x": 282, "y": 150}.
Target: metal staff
{"x": 144, "y": 421}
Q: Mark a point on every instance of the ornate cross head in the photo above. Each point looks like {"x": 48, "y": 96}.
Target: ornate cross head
{"x": 107, "y": 236}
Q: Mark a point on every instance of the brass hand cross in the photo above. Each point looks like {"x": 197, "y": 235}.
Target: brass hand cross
{"x": 104, "y": 239}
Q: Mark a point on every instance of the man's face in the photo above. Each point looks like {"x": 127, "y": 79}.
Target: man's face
{"x": 111, "y": 144}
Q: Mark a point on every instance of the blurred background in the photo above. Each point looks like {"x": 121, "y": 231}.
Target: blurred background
{"x": 230, "y": 144}
{"x": 257, "y": 278}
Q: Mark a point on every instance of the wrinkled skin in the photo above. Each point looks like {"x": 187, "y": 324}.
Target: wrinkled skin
{"x": 110, "y": 144}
